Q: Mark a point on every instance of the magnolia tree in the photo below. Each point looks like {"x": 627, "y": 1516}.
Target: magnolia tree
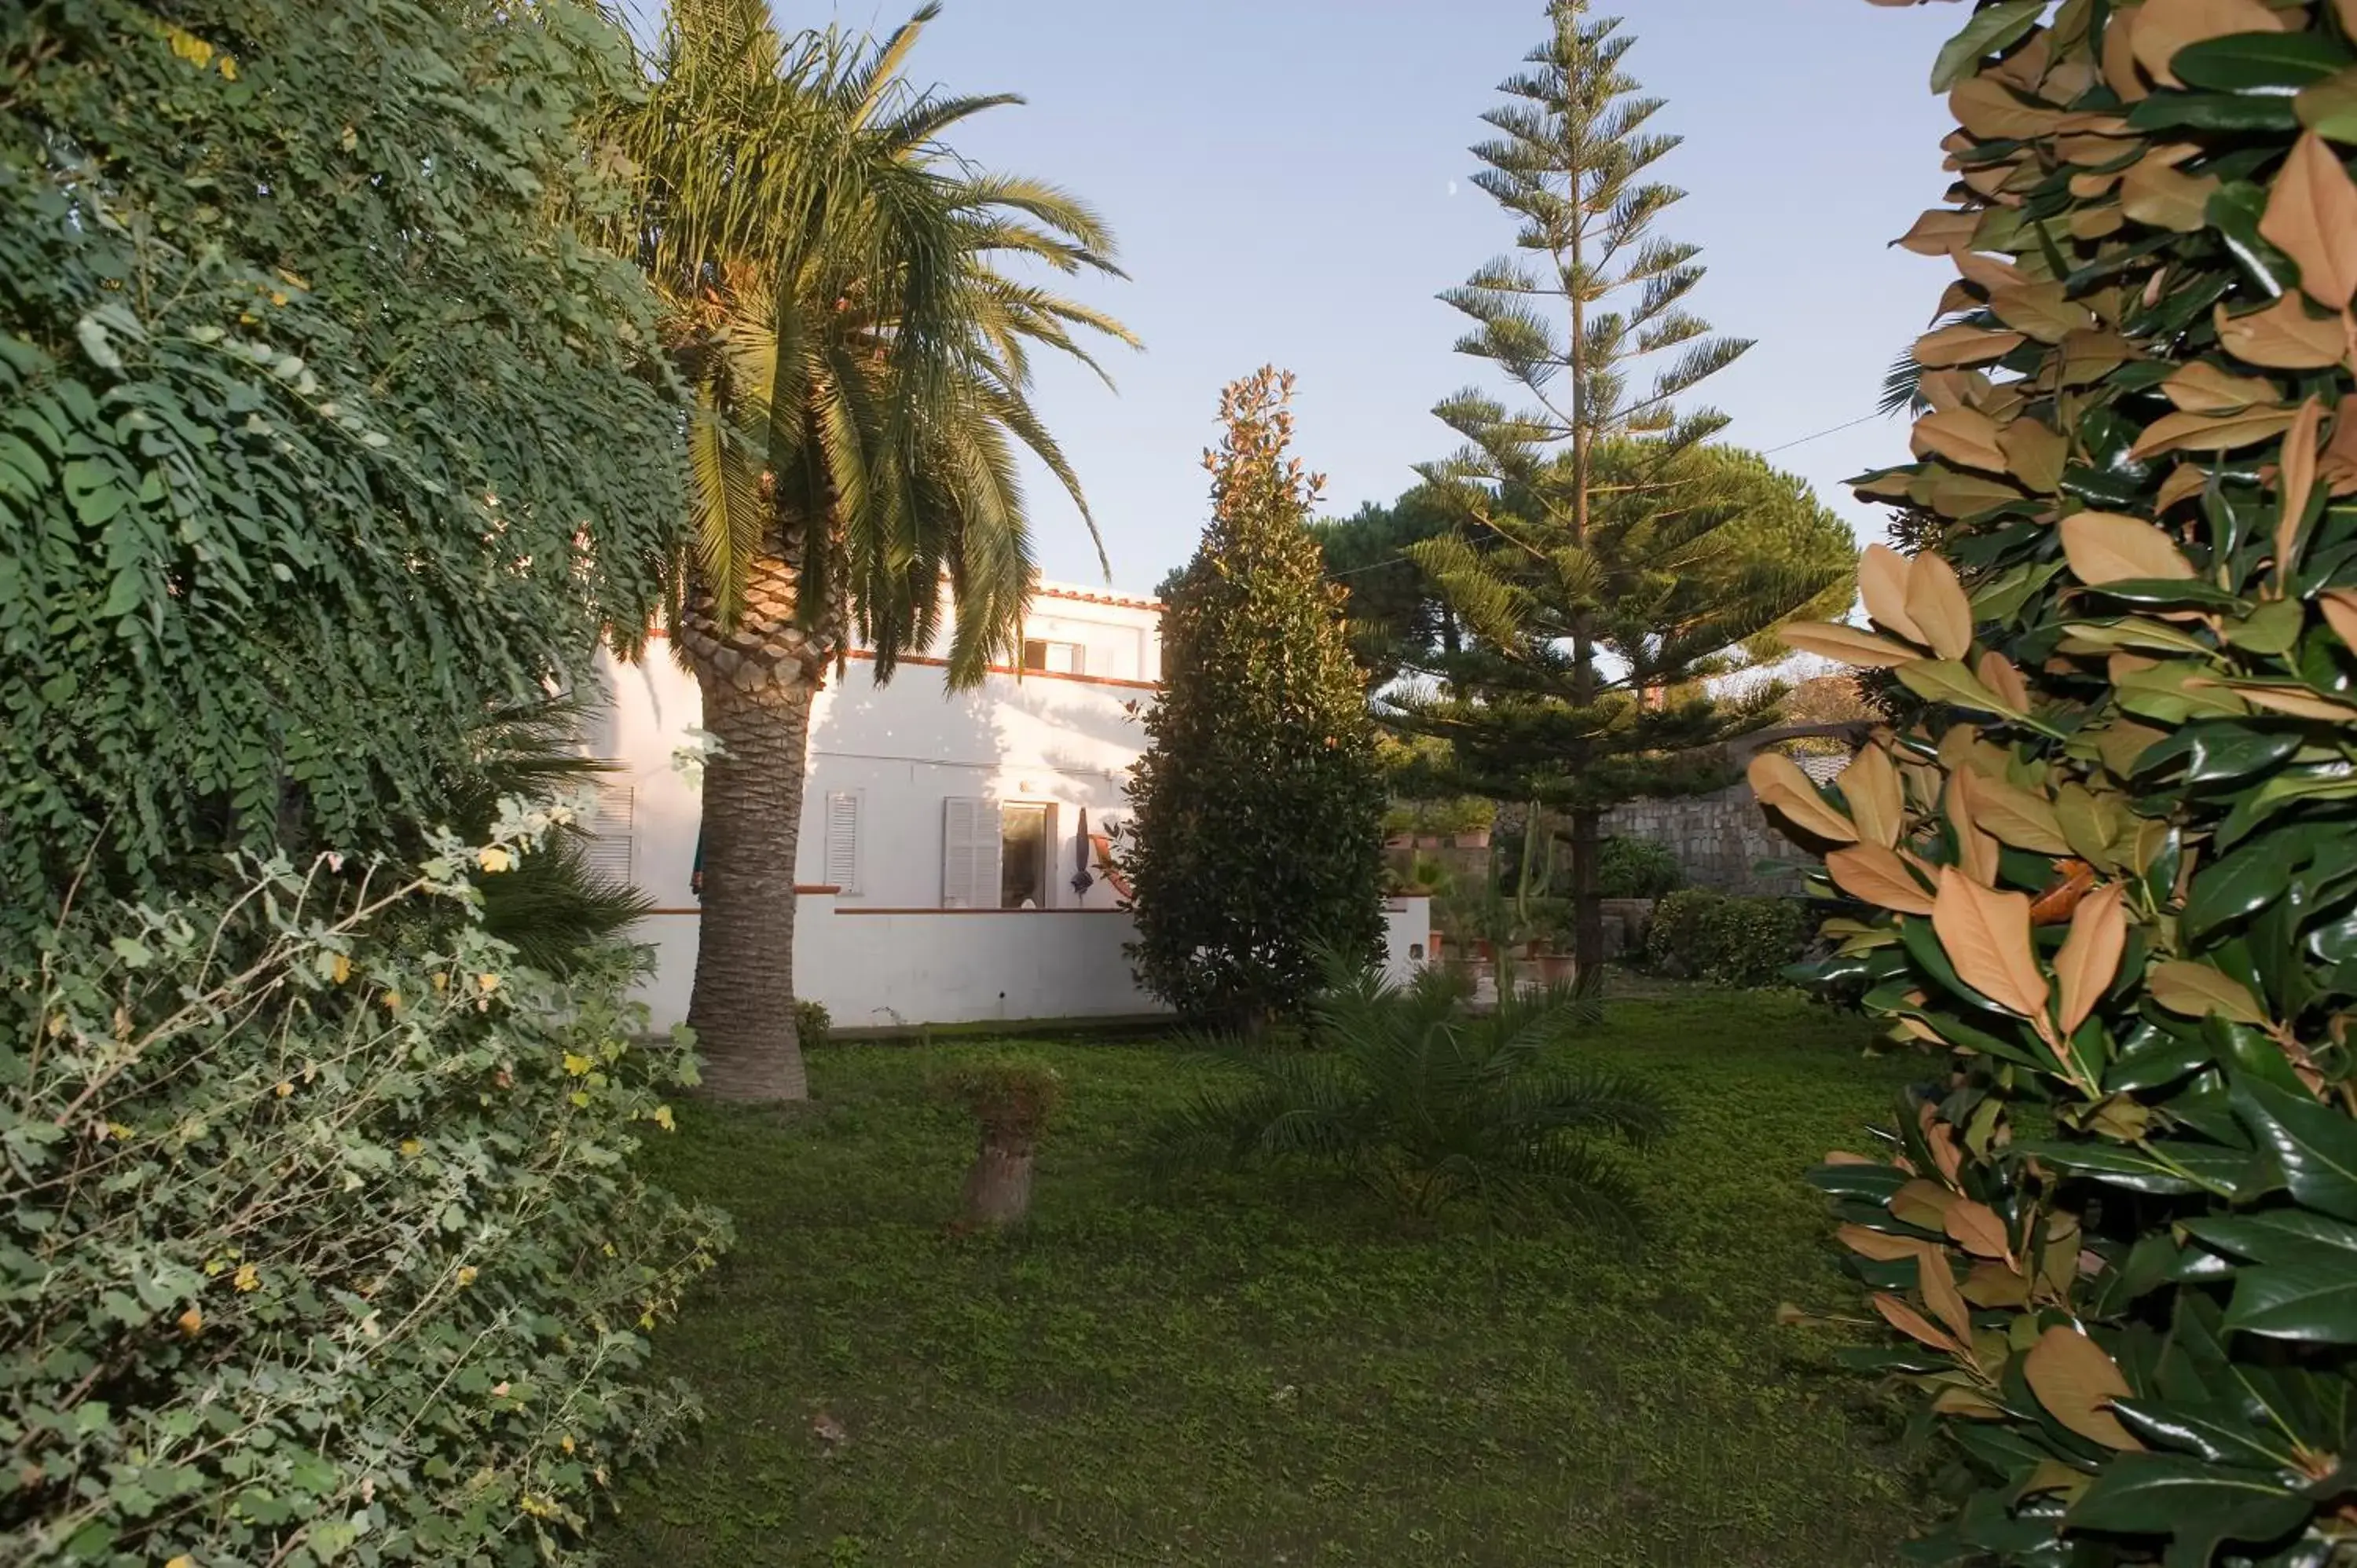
{"x": 2112, "y": 870}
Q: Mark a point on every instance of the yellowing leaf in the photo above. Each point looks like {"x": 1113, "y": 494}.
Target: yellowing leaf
{"x": 1882, "y": 583}
{"x": 2112, "y": 547}
{"x": 2077, "y": 1382}
{"x": 1961, "y": 435}
{"x": 1845, "y": 644}
{"x": 2034, "y": 453}
{"x": 1876, "y": 875}
{"x": 1870, "y": 785}
{"x": 576, "y": 1064}
{"x": 246, "y": 1278}
{"x": 492, "y": 858}
{"x": 1965, "y": 344}
{"x": 2196, "y": 990}
{"x": 1936, "y": 600}
{"x": 2209, "y": 432}
{"x": 2016, "y": 816}
{"x": 191, "y": 1322}
{"x": 1986, "y": 935}
{"x": 2165, "y": 26}
{"x": 2311, "y": 217}
{"x": 340, "y": 969}
{"x": 2090, "y": 957}
{"x": 2283, "y": 337}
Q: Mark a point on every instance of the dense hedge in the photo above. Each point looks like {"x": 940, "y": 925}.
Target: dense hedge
{"x": 1726, "y": 940}
{"x": 2115, "y": 868}
{"x": 322, "y": 1242}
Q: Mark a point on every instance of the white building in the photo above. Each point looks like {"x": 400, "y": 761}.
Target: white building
{"x": 941, "y": 831}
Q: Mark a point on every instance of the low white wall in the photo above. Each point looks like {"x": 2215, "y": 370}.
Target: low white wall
{"x": 889, "y": 969}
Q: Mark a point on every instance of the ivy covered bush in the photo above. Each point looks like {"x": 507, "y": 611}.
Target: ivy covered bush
{"x": 322, "y": 1242}
{"x": 2113, "y": 870}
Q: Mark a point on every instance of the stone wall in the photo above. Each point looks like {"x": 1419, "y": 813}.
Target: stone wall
{"x": 1721, "y": 839}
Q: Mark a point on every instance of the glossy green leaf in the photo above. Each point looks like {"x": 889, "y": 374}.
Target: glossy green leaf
{"x": 2114, "y": 1164}
{"x": 2278, "y": 63}
{"x": 2315, "y": 1145}
{"x": 2210, "y": 1434}
{"x": 2166, "y": 111}
{"x": 2198, "y": 1506}
{"x": 2241, "y": 884}
{"x": 2314, "y": 1301}
{"x": 1990, "y": 31}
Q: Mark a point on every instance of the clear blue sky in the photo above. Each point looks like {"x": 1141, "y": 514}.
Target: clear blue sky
{"x": 1279, "y": 175}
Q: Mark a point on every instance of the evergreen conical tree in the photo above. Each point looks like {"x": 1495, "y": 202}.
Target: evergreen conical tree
{"x": 1259, "y": 800}
{"x": 1593, "y": 301}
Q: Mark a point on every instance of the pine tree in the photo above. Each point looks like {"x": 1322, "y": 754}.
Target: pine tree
{"x": 1595, "y": 300}
{"x": 1259, "y": 801}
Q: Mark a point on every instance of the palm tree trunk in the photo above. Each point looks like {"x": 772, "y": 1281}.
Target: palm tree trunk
{"x": 758, "y": 680}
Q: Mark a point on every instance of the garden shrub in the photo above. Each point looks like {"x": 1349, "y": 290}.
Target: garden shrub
{"x": 1637, "y": 868}
{"x": 813, "y": 1025}
{"x": 2114, "y": 864}
{"x": 323, "y": 1242}
{"x": 1725, "y": 939}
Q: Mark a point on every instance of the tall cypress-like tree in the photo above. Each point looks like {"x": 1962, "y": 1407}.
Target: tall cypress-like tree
{"x": 1592, "y": 301}
{"x": 1259, "y": 800}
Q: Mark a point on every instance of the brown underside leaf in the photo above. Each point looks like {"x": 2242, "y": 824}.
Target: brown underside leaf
{"x": 1939, "y": 231}
{"x": 2076, "y": 1382}
{"x": 1845, "y": 643}
{"x": 2297, "y": 704}
{"x": 1962, "y": 435}
{"x": 2001, "y": 675}
{"x": 2165, "y": 198}
{"x": 1781, "y": 785}
{"x": 1870, "y": 785}
{"x": 2298, "y": 481}
{"x": 2340, "y": 607}
{"x": 2311, "y": 217}
{"x": 2205, "y": 388}
{"x": 1964, "y": 344}
{"x": 2042, "y": 310}
{"x": 1936, "y": 601}
{"x": 2112, "y": 547}
{"x": 2209, "y": 432}
{"x": 2165, "y": 26}
{"x": 2283, "y": 337}
{"x": 2090, "y": 957}
{"x": 1977, "y": 1229}
{"x": 2035, "y": 454}
{"x": 1882, "y": 583}
{"x": 1986, "y": 935}
{"x": 1988, "y": 109}
{"x": 2185, "y": 479}
{"x": 1913, "y": 1324}
{"x": 1881, "y": 1246}
{"x": 1976, "y": 848}
{"x": 1876, "y": 875}
{"x": 1939, "y": 1293}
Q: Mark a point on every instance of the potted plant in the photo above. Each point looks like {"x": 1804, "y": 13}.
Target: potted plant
{"x": 1470, "y": 819}
{"x": 1011, "y": 1099}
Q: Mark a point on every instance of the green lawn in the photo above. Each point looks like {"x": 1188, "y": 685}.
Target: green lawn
{"x": 1235, "y": 1373}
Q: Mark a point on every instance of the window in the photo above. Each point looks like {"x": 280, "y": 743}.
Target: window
{"x": 995, "y": 855}
{"x": 1023, "y": 857}
{"x": 1053, "y": 658}
{"x": 844, "y": 810}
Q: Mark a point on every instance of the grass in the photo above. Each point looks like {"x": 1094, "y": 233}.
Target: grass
{"x": 1232, "y": 1373}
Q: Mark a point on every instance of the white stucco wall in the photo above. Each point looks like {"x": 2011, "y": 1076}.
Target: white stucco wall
{"x": 882, "y": 952}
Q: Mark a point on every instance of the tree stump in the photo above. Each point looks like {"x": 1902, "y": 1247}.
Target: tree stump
{"x": 1012, "y": 1099}
{"x": 998, "y": 1188}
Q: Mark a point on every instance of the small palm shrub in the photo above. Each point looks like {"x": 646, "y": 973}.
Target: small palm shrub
{"x": 813, "y": 1025}
{"x": 1431, "y": 1105}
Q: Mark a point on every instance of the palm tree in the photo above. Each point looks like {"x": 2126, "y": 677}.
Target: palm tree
{"x": 861, "y": 369}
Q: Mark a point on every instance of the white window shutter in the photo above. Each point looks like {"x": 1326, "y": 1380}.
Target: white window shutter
{"x": 843, "y": 813}
{"x": 612, "y": 830}
{"x": 957, "y": 852}
{"x": 989, "y": 841}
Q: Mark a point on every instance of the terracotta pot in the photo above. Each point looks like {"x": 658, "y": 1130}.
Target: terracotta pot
{"x": 1428, "y": 841}
{"x": 1400, "y": 841}
{"x": 1478, "y": 838}
{"x": 1557, "y": 967}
